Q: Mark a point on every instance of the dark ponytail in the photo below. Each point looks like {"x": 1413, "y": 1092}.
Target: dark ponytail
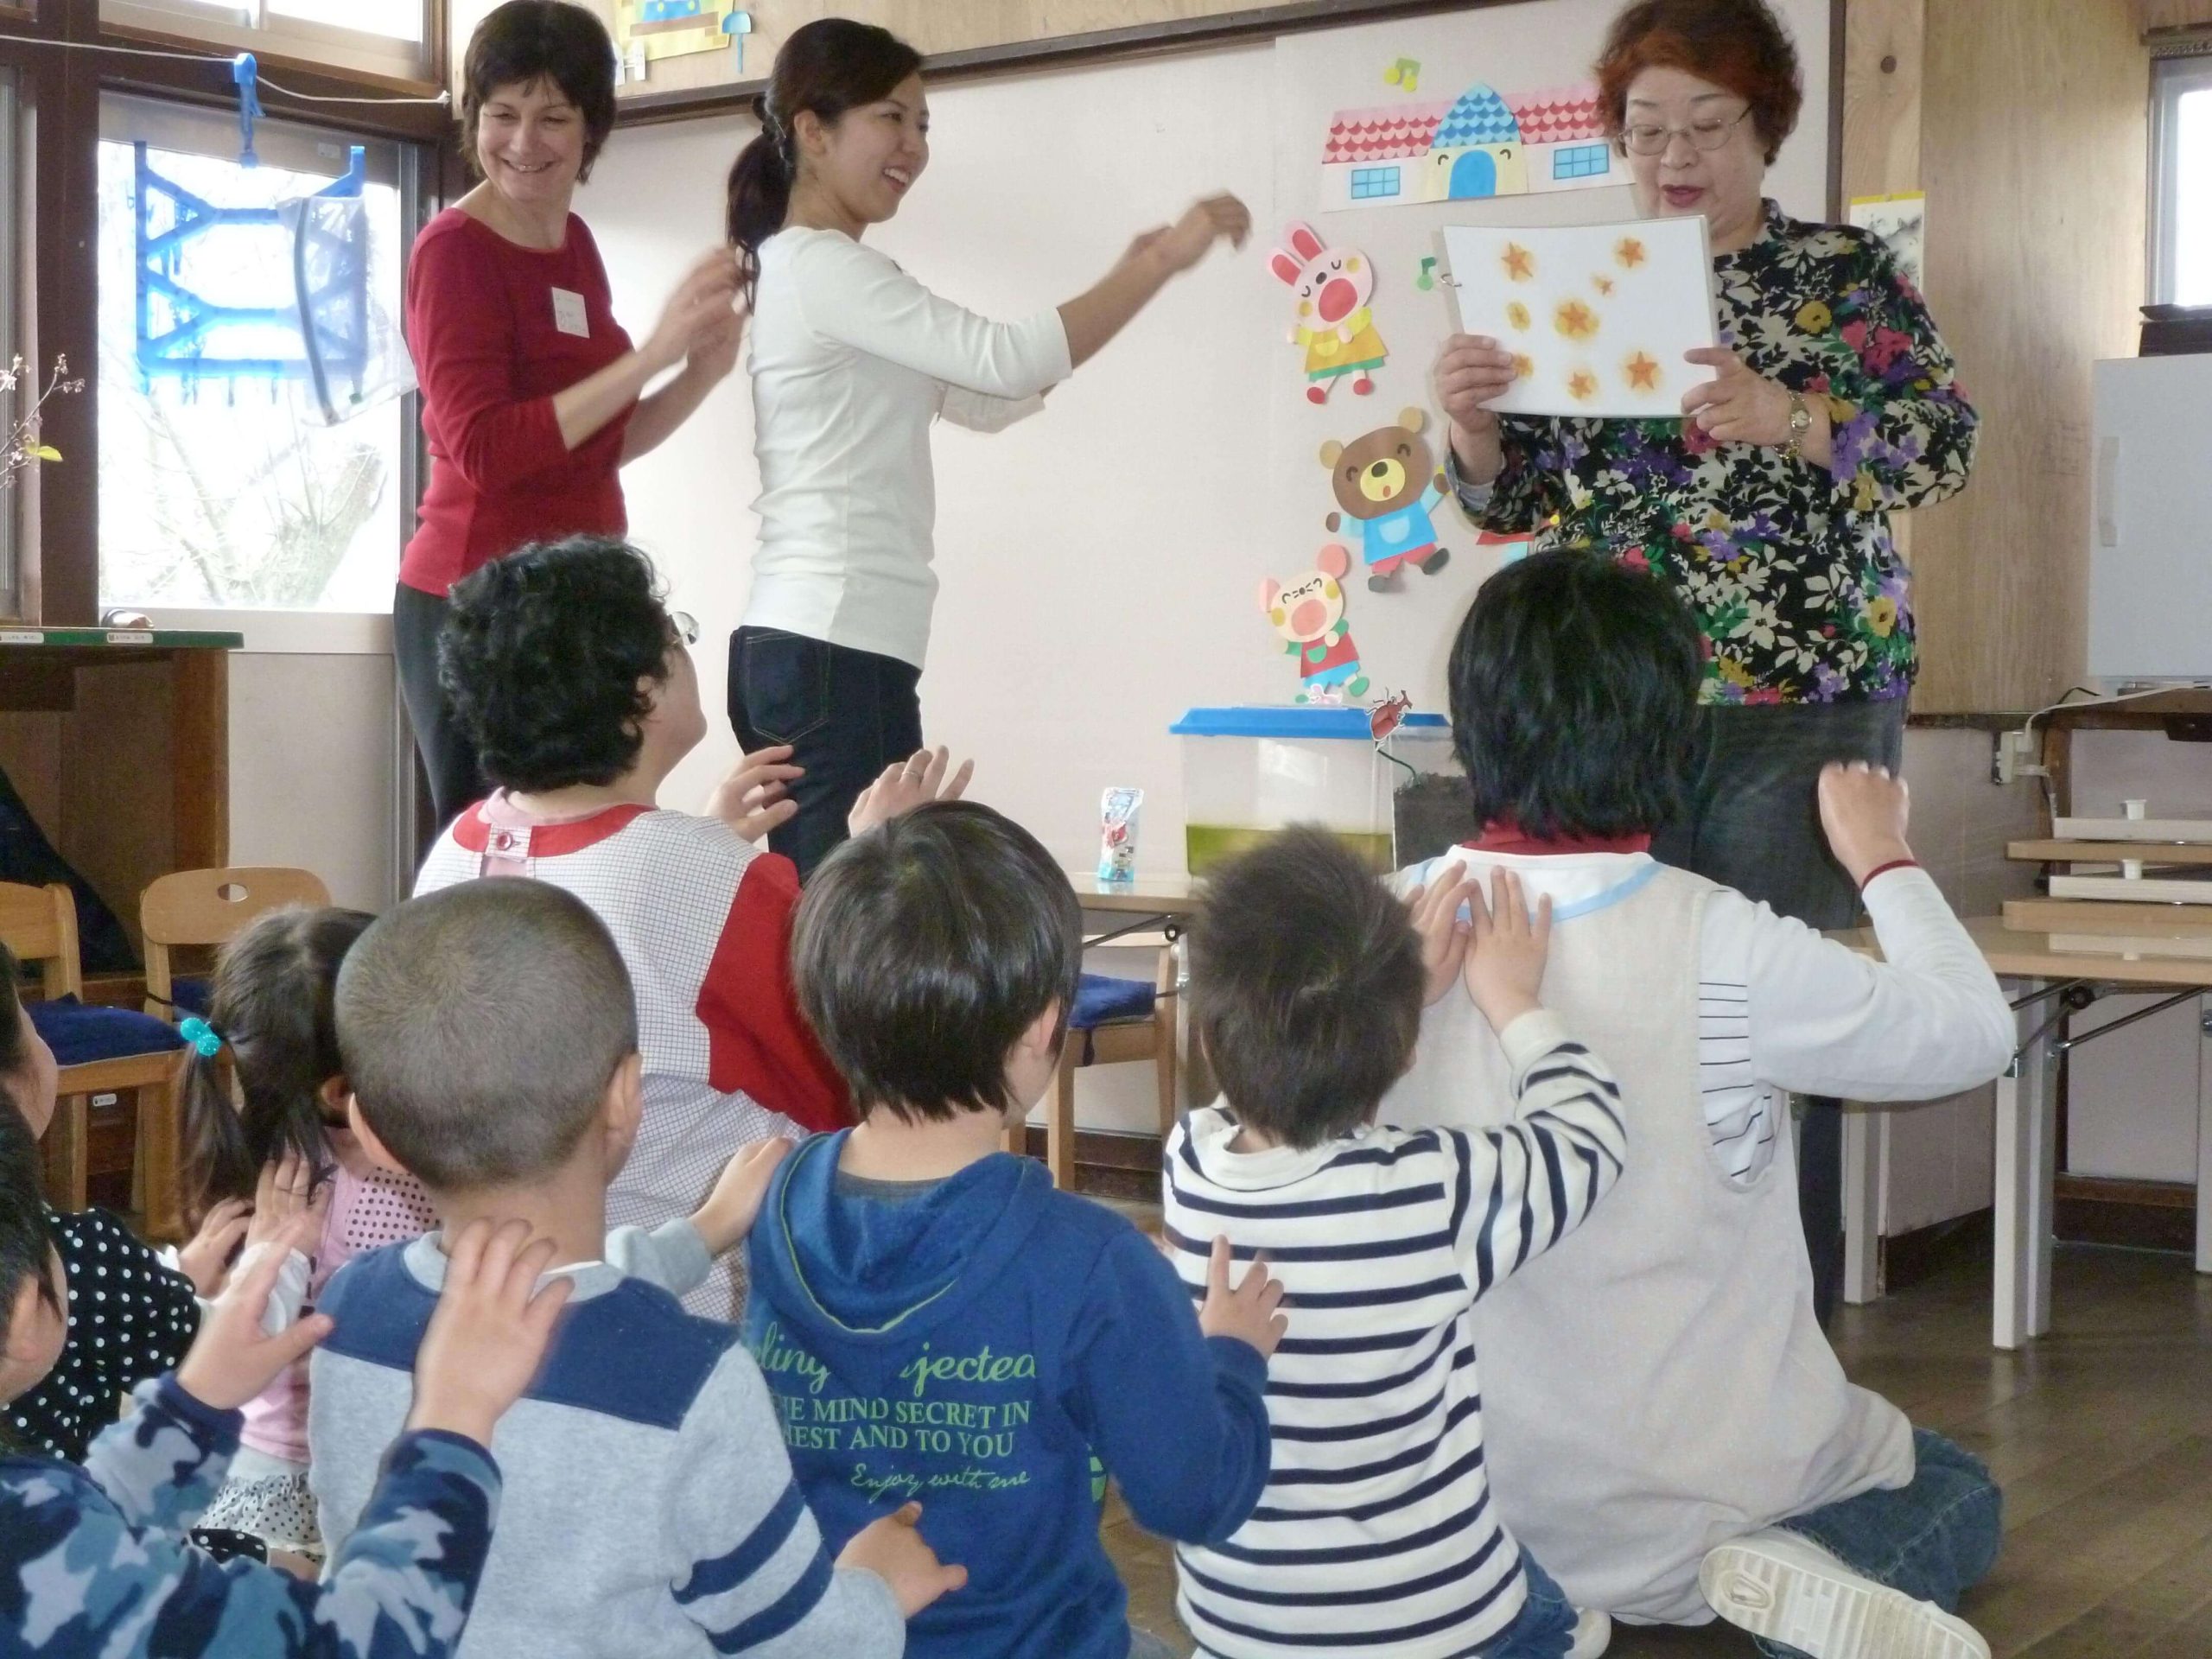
{"x": 271, "y": 1007}
{"x": 826, "y": 67}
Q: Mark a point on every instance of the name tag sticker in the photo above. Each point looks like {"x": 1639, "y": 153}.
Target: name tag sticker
{"x": 569, "y": 314}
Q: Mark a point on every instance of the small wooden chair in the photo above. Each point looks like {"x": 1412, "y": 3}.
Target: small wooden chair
{"x": 208, "y": 907}
{"x": 1113, "y": 1020}
{"x": 98, "y": 1051}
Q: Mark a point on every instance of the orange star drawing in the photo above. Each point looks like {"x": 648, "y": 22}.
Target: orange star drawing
{"x": 1642, "y": 372}
{"x": 1520, "y": 264}
{"x": 1582, "y": 385}
{"x": 1603, "y": 285}
{"x": 1517, "y": 314}
{"x": 1524, "y": 367}
{"x": 1575, "y": 320}
{"x": 1629, "y": 252}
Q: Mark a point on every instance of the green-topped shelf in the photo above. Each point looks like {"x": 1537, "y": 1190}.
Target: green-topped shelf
{"x": 23, "y": 637}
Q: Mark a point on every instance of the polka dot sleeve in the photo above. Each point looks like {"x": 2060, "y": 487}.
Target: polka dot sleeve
{"x": 130, "y": 1319}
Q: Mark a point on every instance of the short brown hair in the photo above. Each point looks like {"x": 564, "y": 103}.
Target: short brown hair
{"x": 480, "y": 1026}
{"x": 524, "y": 41}
{"x": 1305, "y": 987}
{"x": 1738, "y": 44}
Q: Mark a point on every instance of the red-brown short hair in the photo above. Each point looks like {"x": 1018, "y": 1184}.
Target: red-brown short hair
{"x": 1738, "y": 44}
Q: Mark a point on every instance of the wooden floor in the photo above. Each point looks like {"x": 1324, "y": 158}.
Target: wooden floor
{"x": 2100, "y": 1434}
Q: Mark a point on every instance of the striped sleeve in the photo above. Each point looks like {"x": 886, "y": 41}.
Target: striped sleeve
{"x": 759, "y": 1579}
{"x": 1523, "y": 1187}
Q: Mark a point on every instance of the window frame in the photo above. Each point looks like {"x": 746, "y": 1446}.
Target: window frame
{"x": 2171, "y": 79}
{"x": 57, "y": 300}
{"x": 269, "y": 630}
{"x": 248, "y": 26}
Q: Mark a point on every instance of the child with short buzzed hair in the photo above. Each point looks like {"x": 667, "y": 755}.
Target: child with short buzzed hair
{"x": 490, "y": 1040}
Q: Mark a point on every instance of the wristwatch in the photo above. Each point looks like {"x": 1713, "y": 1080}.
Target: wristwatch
{"x": 1800, "y": 422}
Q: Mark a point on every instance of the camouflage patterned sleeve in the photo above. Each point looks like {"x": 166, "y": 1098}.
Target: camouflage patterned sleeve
{"x": 85, "y": 1579}
{"x": 160, "y": 1465}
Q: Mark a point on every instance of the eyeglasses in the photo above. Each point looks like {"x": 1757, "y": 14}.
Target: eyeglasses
{"x": 1707, "y": 135}
{"x": 684, "y": 626}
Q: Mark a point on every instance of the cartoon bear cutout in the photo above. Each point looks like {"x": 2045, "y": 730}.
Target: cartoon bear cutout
{"x": 1387, "y": 484}
{"x": 1334, "y": 322}
{"x": 1309, "y": 612}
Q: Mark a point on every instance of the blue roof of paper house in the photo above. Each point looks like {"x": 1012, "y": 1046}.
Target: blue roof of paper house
{"x": 1480, "y": 117}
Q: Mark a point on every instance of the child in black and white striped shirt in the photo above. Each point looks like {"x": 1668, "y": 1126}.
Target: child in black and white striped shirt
{"x": 1377, "y": 1527}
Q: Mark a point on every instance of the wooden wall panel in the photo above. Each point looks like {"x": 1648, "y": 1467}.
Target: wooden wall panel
{"x": 2172, "y": 14}
{"x": 2033, "y": 153}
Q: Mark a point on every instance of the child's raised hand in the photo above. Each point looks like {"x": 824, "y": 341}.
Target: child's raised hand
{"x": 1863, "y": 810}
{"x": 1247, "y": 1311}
{"x": 490, "y": 1330}
{"x": 284, "y": 1191}
{"x": 1505, "y": 961}
{"x": 752, "y": 799}
{"x": 905, "y": 785}
{"x": 893, "y": 1547}
{"x": 206, "y": 1258}
{"x": 726, "y": 1217}
{"x": 1443, "y": 937}
{"x": 232, "y": 1360}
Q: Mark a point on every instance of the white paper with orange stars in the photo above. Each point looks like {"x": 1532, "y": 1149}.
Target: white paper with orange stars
{"x": 1597, "y": 316}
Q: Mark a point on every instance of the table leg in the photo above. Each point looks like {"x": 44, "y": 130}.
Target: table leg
{"x": 2027, "y": 1149}
{"x": 1863, "y": 1133}
{"x": 2205, "y": 1136}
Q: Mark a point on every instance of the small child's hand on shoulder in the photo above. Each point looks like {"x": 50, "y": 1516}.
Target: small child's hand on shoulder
{"x": 206, "y": 1259}
{"x": 726, "y": 1217}
{"x": 1245, "y": 1311}
{"x": 233, "y": 1359}
{"x": 1443, "y": 936}
{"x": 1863, "y": 810}
{"x": 1505, "y": 958}
{"x": 892, "y": 1546}
{"x": 490, "y": 1331}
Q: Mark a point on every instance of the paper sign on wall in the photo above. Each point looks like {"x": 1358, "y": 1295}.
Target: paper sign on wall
{"x": 1597, "y": 316}
{"x": 668, "y": 29}
{"x": 1479, "y": 144}
{"x": 1901, "y": 221}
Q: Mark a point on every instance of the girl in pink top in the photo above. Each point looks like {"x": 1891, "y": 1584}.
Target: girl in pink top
{"x": 265, "y": 1120}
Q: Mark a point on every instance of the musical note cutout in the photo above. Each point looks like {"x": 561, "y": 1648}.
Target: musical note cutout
{"x": 1427, "y": 280}
{"x": 1404, "y": 75}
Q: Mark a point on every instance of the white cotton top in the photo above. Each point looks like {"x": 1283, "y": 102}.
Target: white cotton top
{"x": 852, "y": 359}
{"x": 1783, "y": 1009}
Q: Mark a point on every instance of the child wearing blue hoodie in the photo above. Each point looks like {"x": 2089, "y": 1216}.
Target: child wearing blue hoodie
{"x": 935, "y": 1323}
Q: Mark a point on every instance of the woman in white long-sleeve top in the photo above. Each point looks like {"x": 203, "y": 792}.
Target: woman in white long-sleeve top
{"x": 852, "y": 361}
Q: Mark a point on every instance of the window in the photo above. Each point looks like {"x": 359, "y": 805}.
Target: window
{"x": 27, "y": 391}
{"x": 380, "y": 37}
{"x": 2181, "y": 137}
{"x": 1581, "y": 162}
{"x": 248, "y": 463}
{"x": 1372, "y": 183}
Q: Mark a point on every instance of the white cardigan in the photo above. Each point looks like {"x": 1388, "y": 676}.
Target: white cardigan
{"x": 852, "y": 359}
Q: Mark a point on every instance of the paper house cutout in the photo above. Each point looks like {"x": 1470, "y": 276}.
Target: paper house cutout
{"x": 1476, "y": 146}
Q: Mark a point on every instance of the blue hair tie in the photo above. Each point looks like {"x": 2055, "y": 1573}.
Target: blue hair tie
{"x": 202, "y": 1036}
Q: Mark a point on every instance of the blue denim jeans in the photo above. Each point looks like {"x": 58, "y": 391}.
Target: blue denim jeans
{"x": 846, "y": 714}
{"x": 1934, "y": 1539}
{"x": 1545, "y": 1628}
{"x": 1753, "y": 824}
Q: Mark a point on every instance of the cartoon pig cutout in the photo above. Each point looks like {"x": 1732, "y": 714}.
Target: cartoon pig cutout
{"x": 1334, "y": 324}
{"x": 1309, "y": 612}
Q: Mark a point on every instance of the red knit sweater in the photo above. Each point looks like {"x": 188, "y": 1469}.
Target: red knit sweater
{"x": 496, "y": 330}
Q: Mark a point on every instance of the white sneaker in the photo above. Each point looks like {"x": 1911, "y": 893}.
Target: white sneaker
{"x": 1592, "y": 1635}
{"x": 1782, "y": 1586}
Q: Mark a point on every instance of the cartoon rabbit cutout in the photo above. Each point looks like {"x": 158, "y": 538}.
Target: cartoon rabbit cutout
{"x": 1334, "y": 323}
{"x": 1309, "y": 612}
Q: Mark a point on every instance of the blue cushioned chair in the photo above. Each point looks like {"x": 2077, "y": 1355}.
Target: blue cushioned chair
{"x": 1112, "y": 1021}
{"x": 101, "y": 1051}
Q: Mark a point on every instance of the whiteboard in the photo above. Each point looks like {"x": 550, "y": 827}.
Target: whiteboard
{"x": 1101, "y": 563}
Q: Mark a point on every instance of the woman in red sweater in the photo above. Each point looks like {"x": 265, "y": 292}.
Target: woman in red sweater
{"x": 533, "y": 396}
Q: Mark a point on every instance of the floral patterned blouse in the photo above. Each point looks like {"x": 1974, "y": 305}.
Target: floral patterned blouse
{"x": 1790, "y": 571}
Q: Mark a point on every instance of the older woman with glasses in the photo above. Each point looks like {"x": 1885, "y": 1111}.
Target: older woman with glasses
{"x": 1830, "y": 403}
